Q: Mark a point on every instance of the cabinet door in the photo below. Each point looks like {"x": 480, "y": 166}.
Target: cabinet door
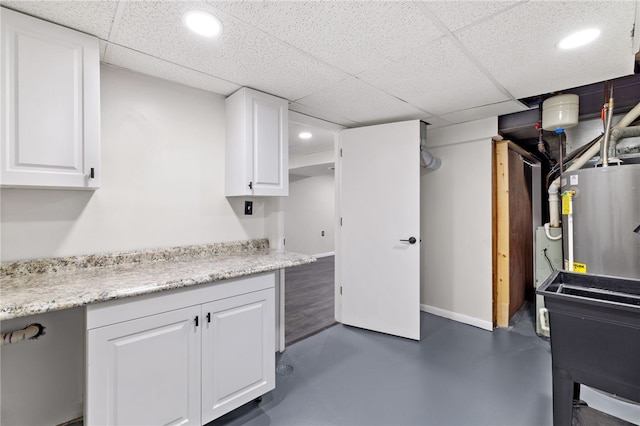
{"x": 257, "y": 147}
{"x": 51, "y": 105}
{"x": 145, "y": 371}
{"x": 270, "y": 145}
{"x": 238, "y": 352}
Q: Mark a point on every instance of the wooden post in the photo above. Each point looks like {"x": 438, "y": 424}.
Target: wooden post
{"x": 501, "y": 235}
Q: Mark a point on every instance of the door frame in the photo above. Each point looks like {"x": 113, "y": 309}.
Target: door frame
{"x": 502, "y": 261}
{"x": 277, "y": 229}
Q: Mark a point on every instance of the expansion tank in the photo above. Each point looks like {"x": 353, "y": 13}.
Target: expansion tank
{"x": 606, "y": 219}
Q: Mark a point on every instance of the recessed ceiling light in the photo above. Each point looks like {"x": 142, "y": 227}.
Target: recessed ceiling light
{"x": 202, "y": 23}
{"x": 578, "y": 39}
{"x": 305, "y": 135}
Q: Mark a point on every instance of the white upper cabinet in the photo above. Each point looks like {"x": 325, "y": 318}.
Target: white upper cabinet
{"x": 50, "y": 98}
{"x": 257, "y": 152}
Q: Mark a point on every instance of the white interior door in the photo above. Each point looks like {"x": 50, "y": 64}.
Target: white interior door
{"x": 380, "y": 207}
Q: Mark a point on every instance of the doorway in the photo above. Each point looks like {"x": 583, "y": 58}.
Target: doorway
{"x": 309, "y": 227}
{"x": 516, "y": 216}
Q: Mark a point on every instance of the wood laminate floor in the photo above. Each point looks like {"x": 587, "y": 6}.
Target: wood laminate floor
{"x": 309, "y": 299}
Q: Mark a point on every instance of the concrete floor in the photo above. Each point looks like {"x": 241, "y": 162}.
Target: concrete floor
{"x": 456, "y": 375}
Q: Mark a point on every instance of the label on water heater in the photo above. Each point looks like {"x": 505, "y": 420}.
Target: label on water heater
{"x": 579, "y": 267}
{"x": 566, "y": 203}
{"x": 573, "y": 179}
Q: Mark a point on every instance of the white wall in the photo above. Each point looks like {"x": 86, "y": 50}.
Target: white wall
{"x": 43, "y": 379}
{"x": 586, "y": 130}
{"x": 322, "y": 157}
{"x": 162, "y": 180}
{"x": 309, "y": 210}
{"x": 162, "y": 185}
{"x": 456, "y": 210}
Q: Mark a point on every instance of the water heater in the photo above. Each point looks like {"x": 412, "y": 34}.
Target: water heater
{"x": 606, "y": 219}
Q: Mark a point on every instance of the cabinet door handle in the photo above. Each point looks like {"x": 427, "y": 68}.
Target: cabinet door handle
{"x": 196, "y": 320}
{"x": 250, "y": 185}
{"x": 92, "y": 173}
{"x": 208, "y": 317}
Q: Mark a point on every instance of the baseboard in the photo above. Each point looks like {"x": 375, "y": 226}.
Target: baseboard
{"x": 465, "y": 319}
{"x": 329, "y": 253}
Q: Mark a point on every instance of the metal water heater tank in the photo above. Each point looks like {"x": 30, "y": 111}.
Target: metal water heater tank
{"x": 606, "y": 219}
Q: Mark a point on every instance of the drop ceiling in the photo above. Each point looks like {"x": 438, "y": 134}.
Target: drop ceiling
{"x": 357, "y": 63}
{"x": 321, "y": 140}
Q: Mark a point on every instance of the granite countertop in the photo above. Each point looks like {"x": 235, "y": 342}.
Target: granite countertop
{"x": 44, "y": 285}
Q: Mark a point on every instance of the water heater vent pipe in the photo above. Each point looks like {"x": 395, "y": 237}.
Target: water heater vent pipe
{"x": 428, "y": 160}
{"x": 617, "y": 134}
{"x": 554, "y": 188}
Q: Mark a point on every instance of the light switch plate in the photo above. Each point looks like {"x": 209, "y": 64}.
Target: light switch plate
{"x": 248, "y": 207}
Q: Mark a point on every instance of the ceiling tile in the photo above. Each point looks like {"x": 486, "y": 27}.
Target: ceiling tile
{"x": 518, "y": 46}
{"x": 91, "y": 17}
{"x": 351, "y": 35}
{"x": 484, "y": 111}
{"x": 145, "y": 64}
{"x": 437, "y": 122}
{"x": 362, "y": 103}
{"x": 456, "y": 14}
{"x": 241, "y": 54}
{"x": 321, "y": 140}
{"x": 323, "y": 115}
{"x": 439, "y": 79}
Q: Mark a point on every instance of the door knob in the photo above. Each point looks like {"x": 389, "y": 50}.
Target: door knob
{"x": 411, "y": 240}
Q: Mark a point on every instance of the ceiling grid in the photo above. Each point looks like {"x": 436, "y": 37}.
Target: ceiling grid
{"x": 358, "y": 63}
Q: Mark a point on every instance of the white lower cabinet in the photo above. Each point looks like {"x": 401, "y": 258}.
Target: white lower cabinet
{"x": 146, "y": 371}
{"x": 238, "y": 352}
{"x": 187, "y": 365}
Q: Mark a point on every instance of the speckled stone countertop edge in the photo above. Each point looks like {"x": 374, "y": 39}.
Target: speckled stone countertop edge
{"x": 100, "y": 260}
{"x": 40, "y": 306}
{"x": 39, "y": 292}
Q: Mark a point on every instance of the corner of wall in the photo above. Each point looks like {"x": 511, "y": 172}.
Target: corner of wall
{"x": 456, "y": 211}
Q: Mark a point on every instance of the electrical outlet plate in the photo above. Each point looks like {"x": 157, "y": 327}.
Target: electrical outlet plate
{"x": 248, "y": 207}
